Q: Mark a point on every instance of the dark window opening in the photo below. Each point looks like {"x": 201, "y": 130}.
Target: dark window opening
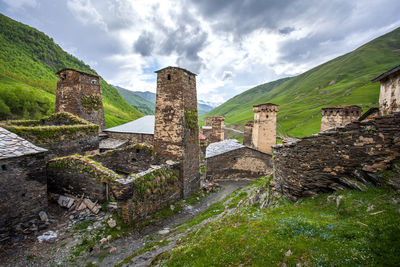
{"x": 4, "y": 167}
{"x": 169, "y": 77}
{"x": 23, "y": 195}
{"x": 267, "y": 116}
{"x": 137, "y": 150}
{"x": 134, "y": 160}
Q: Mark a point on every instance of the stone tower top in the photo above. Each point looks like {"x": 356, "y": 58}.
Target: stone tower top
{"x": 79, "y": 93}
{"x": 336, "y": 116}
{"x": 266, "y": 107}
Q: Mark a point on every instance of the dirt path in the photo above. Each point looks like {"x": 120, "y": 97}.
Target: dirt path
{"x": 129, "y": 245}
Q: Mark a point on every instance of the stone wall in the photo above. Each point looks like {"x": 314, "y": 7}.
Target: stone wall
{"x": 137, "y": 194}
{"x": 207, "y": 121}
{"x": 337, "y": 116}
{"x": 134, "y": 138}
{"x": 248, "y": 134}
{"x": 23, "y": 191}
{"x": 264, "y": 129}
{"x": 79, "y": 93}
{"x": 346, "y": 158}
{"x": 61, "y": 133}
{"x": 176, "y": 123}
{"x": 207, "y": 131}
{"x": 218, "y": 129}
{"x": 238, "y": 164}
{"x": 389, "y": 98}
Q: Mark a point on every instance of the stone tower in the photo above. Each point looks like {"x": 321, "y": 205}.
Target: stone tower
{"x": 248, "y": 134}
{"x": 176, "y": 132}
{"x": 264, "y": 129}
{"x": 207, "y": 121}
{"x": 218, "y": 128}
{"x": 79, "y": 93}
{"x": 336, "y": 116}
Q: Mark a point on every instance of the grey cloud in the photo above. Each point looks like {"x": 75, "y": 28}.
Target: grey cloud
{"x": 227, "y": 75}
{"x": 286, "y": 30}
{"x": 144, "y": 44}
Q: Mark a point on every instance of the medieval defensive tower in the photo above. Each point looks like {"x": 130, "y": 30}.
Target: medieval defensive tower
{"x": 207, "y": 121}
{"x": 264, "y": 129}
{"x": 79, "y": 93}
{"x": 336, "y": 116}
{"x": 176, "y": 123}
{"x": 248, "y": 134}
{"x": 218, "y": 128}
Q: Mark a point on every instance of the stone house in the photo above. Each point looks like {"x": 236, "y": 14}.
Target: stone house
{"x": 229, "y": 160}
{"x": 338, "y": 116}
{"x": 140, "y": 131}
{"x": 23, "y": 185}
{"x": 389, "y": 97}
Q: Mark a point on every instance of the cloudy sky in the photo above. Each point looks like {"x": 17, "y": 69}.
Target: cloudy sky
{"x": 232, "y": 45}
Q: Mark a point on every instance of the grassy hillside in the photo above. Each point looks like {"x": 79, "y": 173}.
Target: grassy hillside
{"x": 138, "y": 102}
{"x": 342, "y": 81}
{"x": 28, "y": 62}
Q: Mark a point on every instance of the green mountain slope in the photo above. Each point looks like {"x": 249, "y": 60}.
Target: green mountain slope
{"x": 342, "y": 81}
{"x": 149, "y": 96}
{"x": 28, "y": 62}
{"x": 138, "y": 102}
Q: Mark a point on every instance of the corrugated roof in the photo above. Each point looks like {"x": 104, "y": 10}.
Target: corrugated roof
{"x": 11, "y": 145}
{"x": 143, "y": 125}
{"x": 218, "y": 148}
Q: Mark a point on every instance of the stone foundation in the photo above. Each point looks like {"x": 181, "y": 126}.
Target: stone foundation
{"x": 346, "y": 158}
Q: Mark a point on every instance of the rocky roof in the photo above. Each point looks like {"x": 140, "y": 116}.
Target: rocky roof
{"x": 170, "y": 67}
{"x": 143, "y": 125}
{"x": 86, "y": 73}
{"x": 11, "y": 145}
{"x": 222, "y": 147}
{"x": 111, "y": 143}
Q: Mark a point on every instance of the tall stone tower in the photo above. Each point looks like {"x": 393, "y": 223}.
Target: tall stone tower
{"x": 336, "y": 116}
{"x": 207, "y": 121}
{"x": 218, "y": 129}
{"x": 264, "y": 129}
{"x": 79, "y": 93}
{"x": 176, "y": 132}
{"x": 248, "y": 134}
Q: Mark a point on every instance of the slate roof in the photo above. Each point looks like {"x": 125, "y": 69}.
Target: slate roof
{"x": 385, "y": 74}
{"x": 207, "y": 127}
{"x": 143, "y": 125}
{"x": 11, "y": 145}
{"x": 111, "y": 143}
{"x": 222, "y": 147}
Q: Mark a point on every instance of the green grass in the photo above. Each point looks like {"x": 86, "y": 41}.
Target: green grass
{"x": 29, "y": 60}
{"x": 301, "y": 98}
{"x": 316, "y": 232}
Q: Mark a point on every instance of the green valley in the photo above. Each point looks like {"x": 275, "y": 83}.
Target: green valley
{"x": 344, "y": 80}
{"x": 29, "y": 60}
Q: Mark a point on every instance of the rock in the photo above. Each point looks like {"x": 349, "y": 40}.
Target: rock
{"x": 65, "y": 202}
{"x": 288, "y": 253}
{"x": 112, "y": 250}
{"x": 330, "y": 198}
{"x": 103, "y": 240}
{"x": 109, "y": 237}
{"x": 172, "y": 207}
{"x": 370, "y": 208}
{"x": 112, "y": 223}
{"x": 339, "y": 200}
{"x": 164, "y": 231}
{"x": 49, "y": 236}
{"x": 71, "y": 217}
{"x": 43, "y": 216}
{"x": 112, "y": 206}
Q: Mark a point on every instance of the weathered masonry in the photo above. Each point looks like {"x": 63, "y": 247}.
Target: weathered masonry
{"x": 133, "y": 176}
{"x": 389, "y": 98}
{"x": 79, "y": 93}
{"x": 176, "y": 134}
{"x": 207, "y": 121}
{"x": 218, "y": 129}
{"x": 229, "y": 160}
{"x": 264, "y": 129}
{"x": 23, "y": 186}
{"x": 347, "y": 157}
{"x": 248, "y": 134}
{"x": 61, "y": 133}
{"x": 337, "y": 116}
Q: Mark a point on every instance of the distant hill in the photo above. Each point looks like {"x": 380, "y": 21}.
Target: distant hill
{"x": 149, "y": 96}
{"x": 342, "y": 81}
{"x": 29, "y": 60}
{"x": 143, "y": 105}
